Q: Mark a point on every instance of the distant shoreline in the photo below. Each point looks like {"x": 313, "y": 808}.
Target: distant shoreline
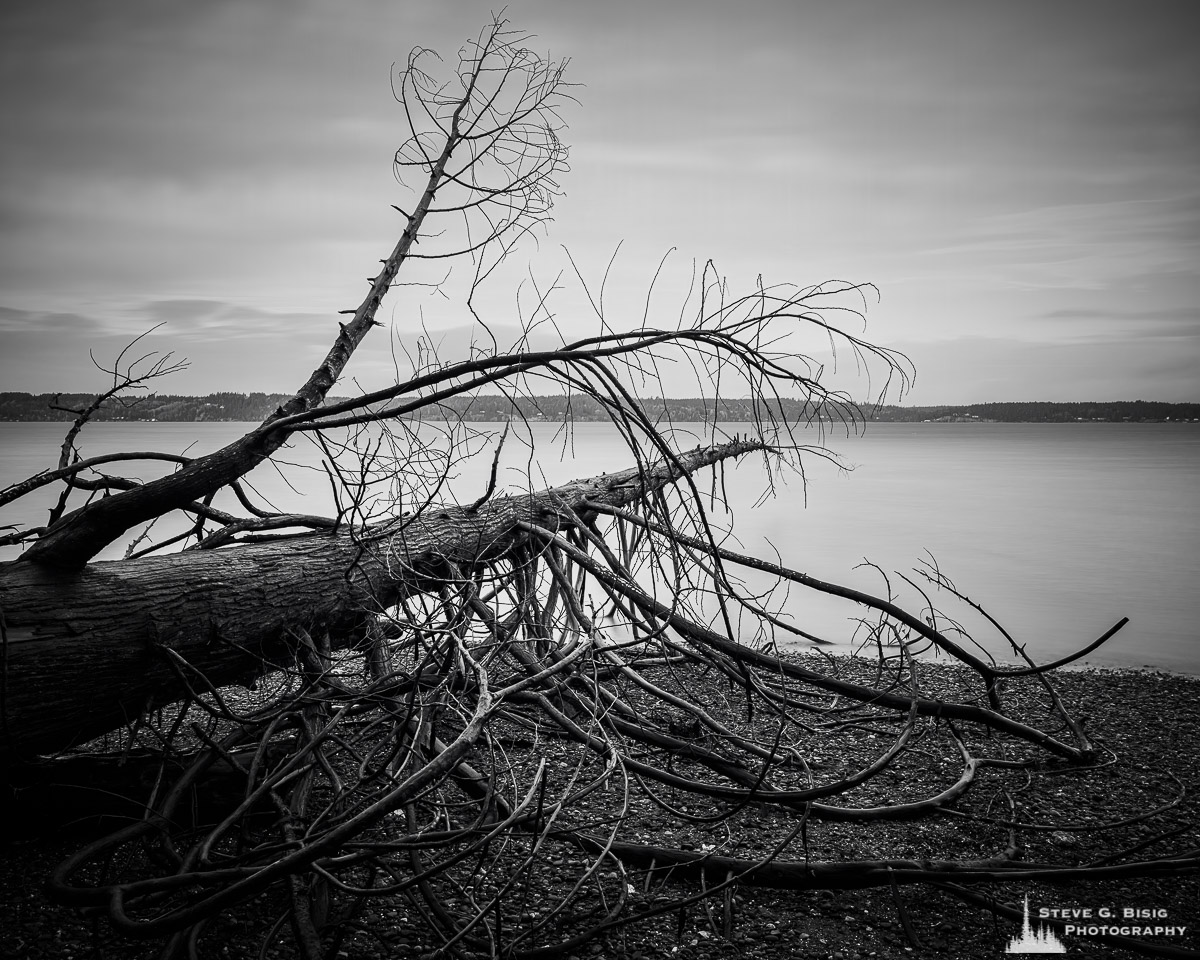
{"x": 255, "y": 407}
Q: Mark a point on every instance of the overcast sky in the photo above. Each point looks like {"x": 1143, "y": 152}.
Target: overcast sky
{"x": 1019, "y": 178}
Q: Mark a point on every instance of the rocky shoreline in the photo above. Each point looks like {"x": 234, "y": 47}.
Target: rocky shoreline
{"x": 1145, "y": 724}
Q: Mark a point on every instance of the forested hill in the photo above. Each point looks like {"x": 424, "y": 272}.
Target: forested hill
{"x": 255, "y": 407}
{"x": 1036, "y": 412}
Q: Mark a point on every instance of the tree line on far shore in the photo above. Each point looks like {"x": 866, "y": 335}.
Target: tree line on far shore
{"x": 1143, "y": 411}
{"x": 254, "y": 407}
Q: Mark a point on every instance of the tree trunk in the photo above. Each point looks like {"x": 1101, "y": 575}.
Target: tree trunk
{"x": 84, "y": 651}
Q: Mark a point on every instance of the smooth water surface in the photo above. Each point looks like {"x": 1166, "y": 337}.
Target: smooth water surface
{"x": 1059, "y": 530}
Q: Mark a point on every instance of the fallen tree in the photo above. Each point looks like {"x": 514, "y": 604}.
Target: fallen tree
{"x": 448, "y": 692}
{"x": 76, "y": 671}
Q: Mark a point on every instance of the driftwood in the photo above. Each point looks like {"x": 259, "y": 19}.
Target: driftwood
{"x": 444, "y": 704}
{"x": 73, "y": 670}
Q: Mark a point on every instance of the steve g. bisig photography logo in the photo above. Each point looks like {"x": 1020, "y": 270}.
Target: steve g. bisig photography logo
{"x": 1089, "y": 922}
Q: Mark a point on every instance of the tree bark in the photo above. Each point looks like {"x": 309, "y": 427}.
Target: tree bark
{"x": 84, "y": 650}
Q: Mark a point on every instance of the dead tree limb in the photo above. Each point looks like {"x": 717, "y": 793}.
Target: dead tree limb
{"x": 478, "y": 132}
{"x": 73, "y": 671}
{"x": 451, "y": 693}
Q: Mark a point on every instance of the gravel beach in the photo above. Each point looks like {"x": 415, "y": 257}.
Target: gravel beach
{"x": 1146, "y": 725}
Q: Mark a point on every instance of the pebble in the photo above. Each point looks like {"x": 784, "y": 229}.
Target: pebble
{"x": 752, "y": 939}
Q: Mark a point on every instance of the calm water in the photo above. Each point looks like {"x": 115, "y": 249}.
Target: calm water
{"x": 1057, "y": 529}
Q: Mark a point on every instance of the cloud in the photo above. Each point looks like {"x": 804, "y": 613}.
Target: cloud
{"x": 51, "y": 323}
{"x": 54, "y": 352}
{"x": 201, "y": 319}
{"x": 1084, "y": 246}
{"x": 982, "y": 369}
{"x": 230, "y": 346}
{"x": 226, "y": 166}
{"x": 1127, "y": 325}
{"x": 1129, "y": 313}
{"x": 186, "y": 311}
